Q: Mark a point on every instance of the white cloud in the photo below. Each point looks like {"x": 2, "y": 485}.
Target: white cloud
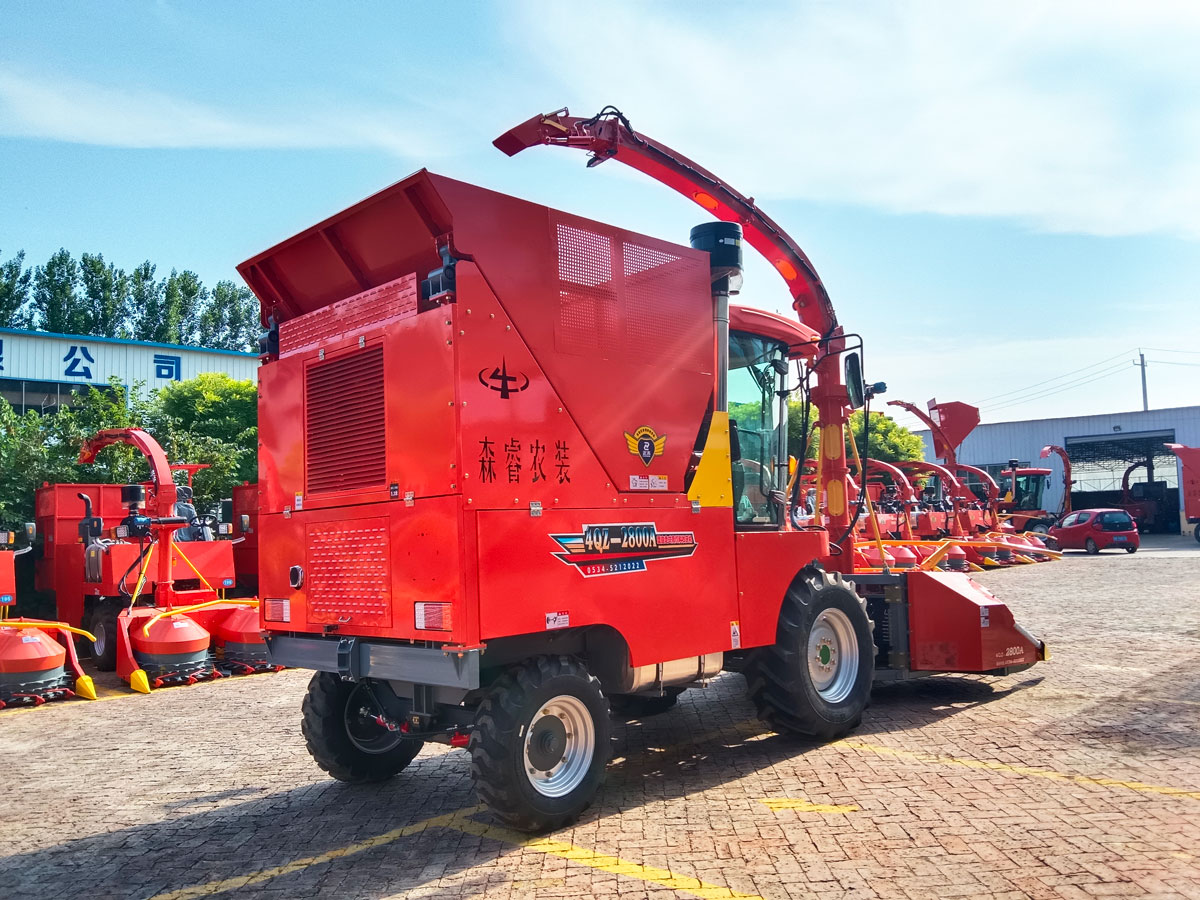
{"x": 82, "y": 112}
{"x": 1067, "y": 117}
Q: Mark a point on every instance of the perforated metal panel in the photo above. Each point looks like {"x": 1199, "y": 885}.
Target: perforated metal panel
{"x": 588, "y": 316}
{"x": 615, "y": 297}
{"x": 652, "y": 279}
{"x": 396, "y": 299}
{"x": 346, "y": 575}
{"x": 345, "y": 439}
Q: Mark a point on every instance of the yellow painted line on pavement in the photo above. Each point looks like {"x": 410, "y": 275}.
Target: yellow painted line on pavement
{"x": 777, "y": 803}
{"x": 459, "y": 821}
{"x": 600, "y": 861}
{"x": 1022, "y": 770}
{"x": 241, "y": 881}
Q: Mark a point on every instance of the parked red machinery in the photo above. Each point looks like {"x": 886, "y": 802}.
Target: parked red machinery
{"x": 37, "y": 658}
{"x": 1143, "y": 500}
{"x": 949, "y": 423}
{"x": 1189, "y": 462}
{"x": 500, "y": 484}
{"x": 158, "y": 617}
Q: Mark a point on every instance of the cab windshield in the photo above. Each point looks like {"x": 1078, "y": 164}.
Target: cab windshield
{"x": 752, "y": 417}
{"x": 1029, "y": 491}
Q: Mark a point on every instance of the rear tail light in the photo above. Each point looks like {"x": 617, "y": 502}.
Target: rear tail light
{"x": 432, "y": 616}
{"x": 277, "y": 610}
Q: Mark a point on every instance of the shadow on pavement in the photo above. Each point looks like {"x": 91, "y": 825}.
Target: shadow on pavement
{"x": 710, "y": 739}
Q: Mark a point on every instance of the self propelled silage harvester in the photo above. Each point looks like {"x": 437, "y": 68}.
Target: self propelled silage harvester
{"x": 501, "y": 489}
{"x": 152, "y": 588}
{"x": 38, "y": 661}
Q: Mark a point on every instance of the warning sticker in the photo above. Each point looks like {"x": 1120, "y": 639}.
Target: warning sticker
{"x": 180, "y": 623}
{"x": 648, "y": 482}
{"x": 561, "y": 619}
{"x": 983, "y": 617}
{"x": 29, "y": 639}
{"x": 735, "y": 635}
{"x": 299, "y": 501}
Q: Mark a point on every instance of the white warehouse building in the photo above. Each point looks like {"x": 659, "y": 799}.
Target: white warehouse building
{"x": 40, "y": 370}
{"x": 1102, "y": 448}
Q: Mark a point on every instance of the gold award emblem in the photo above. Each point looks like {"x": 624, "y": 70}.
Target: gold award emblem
{"x": 645, "y": 444}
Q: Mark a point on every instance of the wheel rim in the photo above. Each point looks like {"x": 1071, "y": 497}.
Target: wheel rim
{"x": 98, "y": 632}
{"x": 362, "y": 727}
{"x": 559, "y": 746}
{"x": 833, "y": 655}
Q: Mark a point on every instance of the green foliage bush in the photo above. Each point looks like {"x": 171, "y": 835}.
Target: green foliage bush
{"x": 210, "y": 419}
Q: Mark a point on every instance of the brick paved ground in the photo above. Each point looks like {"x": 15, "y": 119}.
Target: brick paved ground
{"x": 1079, "y": 778}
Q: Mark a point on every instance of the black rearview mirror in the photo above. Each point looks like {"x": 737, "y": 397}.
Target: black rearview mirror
{"x": 854, "y": 381}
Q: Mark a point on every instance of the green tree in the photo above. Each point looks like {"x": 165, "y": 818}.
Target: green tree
{"x": 889, "y": 441}
{"x": 184, "y": 297}
{"x": 105, "y": 295}
{"x": 210, "y": 419}
{"x": 14, "y": 292}
{"x": 229, "y": 321}
{"x": 57, "y": 305}
{"x": 146, "y": 308}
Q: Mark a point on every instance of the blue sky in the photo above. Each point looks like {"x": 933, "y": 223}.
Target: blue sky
{"x": 1004, "y": 200}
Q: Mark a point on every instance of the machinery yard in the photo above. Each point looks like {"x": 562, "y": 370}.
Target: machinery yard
{"x": 1079, "y": 777}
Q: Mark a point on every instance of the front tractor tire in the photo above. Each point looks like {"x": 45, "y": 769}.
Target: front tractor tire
{"x": 541, "y": 743}
{"x": 815, "y": 680}
{"x": 343, "y": 735}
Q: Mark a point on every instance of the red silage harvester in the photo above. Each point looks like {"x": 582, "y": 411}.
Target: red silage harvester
{"x": 158, "y": 616}
{"x": 501, "y": 487}
{"x": 1189, "y": 462}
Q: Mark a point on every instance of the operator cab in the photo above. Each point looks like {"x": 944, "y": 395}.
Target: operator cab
{"x": 755, "y": 432}
{"x": 1031, "y": 484}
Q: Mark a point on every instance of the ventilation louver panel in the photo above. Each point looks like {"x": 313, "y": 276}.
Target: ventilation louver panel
{"x": 345, "y": 429}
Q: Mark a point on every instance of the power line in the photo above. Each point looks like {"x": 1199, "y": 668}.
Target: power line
{"x": 1165, "y": 350}
{"x": 1056, "y": 378}
{"x": 1167, "y": 362}
{"x": 1059, "y": 389}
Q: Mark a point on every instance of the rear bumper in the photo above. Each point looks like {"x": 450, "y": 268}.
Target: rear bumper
{"x": 355, "y": 658}
{"x": 1110, "y": 542}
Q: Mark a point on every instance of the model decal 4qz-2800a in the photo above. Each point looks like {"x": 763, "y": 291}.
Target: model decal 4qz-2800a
{"x": 624, "y": 547}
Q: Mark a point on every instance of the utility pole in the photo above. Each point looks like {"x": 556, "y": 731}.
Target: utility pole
{"x": 1142, "y": 365}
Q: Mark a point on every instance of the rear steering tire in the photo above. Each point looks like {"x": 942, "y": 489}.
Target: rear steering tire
{"x": 541, "y": 743}
{"x": 343, "y": 736}
{"x": 103, "y": 627}
{"x": 1090, "y": 546}
{"x": 815, "y": 680}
